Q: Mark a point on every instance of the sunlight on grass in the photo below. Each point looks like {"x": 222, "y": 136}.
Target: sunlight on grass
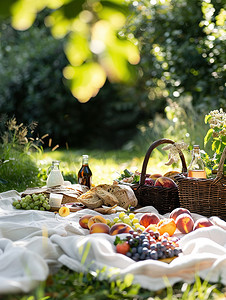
{"x": 106, "y": 166}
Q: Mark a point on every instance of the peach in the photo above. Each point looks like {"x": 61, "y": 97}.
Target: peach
{"x": 165, "y": 182}
{"x": 119, "y": 228}
{"x": 184, "y": 223}
{"x": 149, "y": 218}
{"x": 178, "y": 211}
{"x": 155, "y": 176}
{"x": 83, "y": 221}
{"x": 202, "y": 222}
{"x": 99, "y": 228}
{"x": 96, "y": 219}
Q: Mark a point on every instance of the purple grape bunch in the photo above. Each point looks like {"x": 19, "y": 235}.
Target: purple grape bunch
{"x": 151, "y": 245}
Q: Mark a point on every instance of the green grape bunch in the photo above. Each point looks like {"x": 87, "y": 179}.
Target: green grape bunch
{"x": 34, "y": 201}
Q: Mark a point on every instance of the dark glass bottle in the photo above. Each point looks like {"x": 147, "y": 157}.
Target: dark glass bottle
{"x": 85, "y": 174}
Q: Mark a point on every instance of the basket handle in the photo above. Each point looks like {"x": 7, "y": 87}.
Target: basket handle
{"x": 147, "y": 156}
{"x": 220, "y": 171}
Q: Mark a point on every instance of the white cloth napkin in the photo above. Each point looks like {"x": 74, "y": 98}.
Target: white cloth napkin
{"x": 35, "y": 243}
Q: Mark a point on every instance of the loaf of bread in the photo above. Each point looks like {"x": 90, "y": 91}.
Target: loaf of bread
{"x": 108, "y": 198}
{"x": 90, "y": 199}
{"x": 123, "y": 193}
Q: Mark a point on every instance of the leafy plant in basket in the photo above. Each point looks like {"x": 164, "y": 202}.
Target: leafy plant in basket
{"x": 217, "y": 134}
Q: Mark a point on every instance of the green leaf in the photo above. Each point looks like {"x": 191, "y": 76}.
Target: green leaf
{"x": 215, "y": 145}
{"x": 208, "y": 136}
{"x": 72, "y": 9}
{"x": 207, "y": 118}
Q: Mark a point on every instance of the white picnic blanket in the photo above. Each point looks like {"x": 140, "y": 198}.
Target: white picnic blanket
{"x": 36, "y": 243}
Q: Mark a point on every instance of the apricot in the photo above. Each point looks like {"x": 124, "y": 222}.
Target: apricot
{"x": 83, "y": 221}
{"x": 165, "y": 182}
{"x": 202, "y": 222}
{"x": 96, "y": 219}
{"x": 155, "y": 176}
{"x": 178, "y": 211}
{"x": 99, "y": 228}
{"x": 64, "y": 211}
{"x": 167, "y": 225}
{"x": 184, "y": 223}
{"x": 119, "y": 228}
{"x": 149, "y": 218}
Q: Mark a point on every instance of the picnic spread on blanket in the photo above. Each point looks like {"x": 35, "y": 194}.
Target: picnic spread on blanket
{"x": 162, "y": 229}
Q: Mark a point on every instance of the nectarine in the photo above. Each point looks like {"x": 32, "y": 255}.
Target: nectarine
{"x": 202, "y": 222}
{"x": 99, "y": 228}
{"x": 96, "y": 219}
{"x": 178, "y": 211}
{"x": 184, "y": 223}
{"x": 83, "y": 221}
{"x": 149, "y": 218}
{"x": 119, "y": 228}
{"x": 165, "y": 182}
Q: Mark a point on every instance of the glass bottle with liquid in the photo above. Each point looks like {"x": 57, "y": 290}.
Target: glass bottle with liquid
{"x": 55, "y": 176}
{"x": 85, "y": 174}
{"x": 196, "y": 168}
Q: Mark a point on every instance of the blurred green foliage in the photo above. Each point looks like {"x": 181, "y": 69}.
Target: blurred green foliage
{"x": 93, "y": 48}
{"x": 32, "y": 89}
{"x": 180, "y": 78}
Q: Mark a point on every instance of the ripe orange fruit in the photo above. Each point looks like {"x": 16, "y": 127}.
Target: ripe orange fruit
{"x": 167, "y": 225}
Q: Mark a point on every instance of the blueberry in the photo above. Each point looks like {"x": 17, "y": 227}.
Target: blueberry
{"x": 152, "y": 246}
{"x": 154, "y": 255}
{"x": 140, "y": 249}
{"x": 145, "y": 250}
{"x": 136, "y": 257}
{"x": 145, "y": 244}
{"x": 129, "y": 254}
{"x": 134, "y": 250}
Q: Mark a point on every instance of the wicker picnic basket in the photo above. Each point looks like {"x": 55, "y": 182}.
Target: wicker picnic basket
{"x": 162, "y": 198}
{"x": 204, "y": 196}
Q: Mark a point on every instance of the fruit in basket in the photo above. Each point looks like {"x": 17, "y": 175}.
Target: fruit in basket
{"x": 149, "y": 181}
{"x": 165, "y": 182}
{"x": 96, "y": 219}
{"x": 155, "y": 176}
{"x": 178, "y": 211}
{"x": 119, "y": 228}
{"x": 83, "y": 221}
{"x": 171, "y": 174}
{"x": 167, "y": 226}
{"x": 184, "y": 223}
{"x": 99, "y": 228}
{"x": 202, "y": 222}
{"x": 151, "y": 228}
{"x": 149, "y": 218}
